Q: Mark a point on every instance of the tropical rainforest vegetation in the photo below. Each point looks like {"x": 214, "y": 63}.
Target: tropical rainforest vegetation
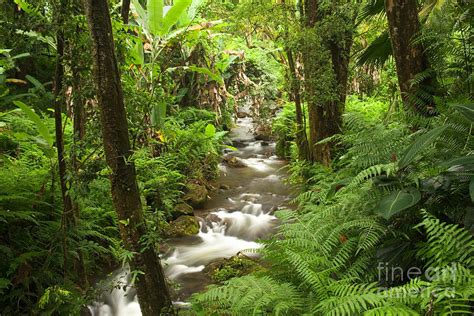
{"x": 114, "y": 114}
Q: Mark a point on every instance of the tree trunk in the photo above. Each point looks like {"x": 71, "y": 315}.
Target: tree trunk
{"x": 125, "y": 11}
{"x": 68, "y": 218}
{"x": 325, "y": 110}
{"x": 151, "y": 287}
{"x": 78, "y": 107}
{"x": 410, "y": 60}
{"x": 301, "y": 138}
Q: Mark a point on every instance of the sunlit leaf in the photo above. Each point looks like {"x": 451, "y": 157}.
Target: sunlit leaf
{"x": 40, "y": 126}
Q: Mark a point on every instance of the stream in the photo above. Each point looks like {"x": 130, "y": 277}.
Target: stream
{"x": 230, "y": 222}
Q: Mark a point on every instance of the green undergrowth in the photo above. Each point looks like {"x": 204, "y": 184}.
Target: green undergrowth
{"x": 32, "y": 238}
{"x": 386, "y": 230}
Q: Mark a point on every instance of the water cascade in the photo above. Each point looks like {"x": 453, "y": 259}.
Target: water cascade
{"x": 230, "y": 223}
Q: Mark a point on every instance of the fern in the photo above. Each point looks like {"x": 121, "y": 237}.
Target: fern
{"x": 251, "y": 295}
{"x": 446, "y": 243}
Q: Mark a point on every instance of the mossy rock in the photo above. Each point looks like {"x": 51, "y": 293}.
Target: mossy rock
{"x": 196, "y": 194}
{"x": 228, "y": 268}
{"x": 184, "y": 226}
{"x": 182, "y": 209}
{"x": 234, "y": 162}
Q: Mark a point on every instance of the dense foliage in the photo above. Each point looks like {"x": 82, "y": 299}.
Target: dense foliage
{"x": 383, "y": 221}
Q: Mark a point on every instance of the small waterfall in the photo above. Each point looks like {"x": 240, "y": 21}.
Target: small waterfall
{"x": 232, "y": 220}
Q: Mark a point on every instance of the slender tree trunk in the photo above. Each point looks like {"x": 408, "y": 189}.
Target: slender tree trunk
{"x": 151, "y": 287}
{"x": 79, "y": 109}
{"x": 125, "y": 11}
{"x": 68, "y": 219}
{"x": 301, "y": 138}
{"x": 410, "y": 59}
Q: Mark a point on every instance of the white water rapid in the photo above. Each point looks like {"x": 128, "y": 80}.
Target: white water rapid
{"x": 231, "y": 222}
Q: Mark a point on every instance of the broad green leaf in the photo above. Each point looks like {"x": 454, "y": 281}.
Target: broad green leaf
{"x": 397, "y": 202}
{"x": 207, "y": 71}
{"x": 471, "y": 189}
{"x": 210, "y": 130}
{"x": 155, "y": 16}
{"x": 173, "y": 15}
{"x": 36, "y": 83}
{"x": 158, "y": 114}
{"x": 21, "y": 55}
{"x": 40, "y": 126}
{"x": 467, "y": 110}
{"x": 142, "y": 16}
{"x": 26, "y": 7}
{"x": 420, "y": 143}
{"x": 137, "y": 53}
{"x": 190, "y": 14}
{"x": 192, "y": 11}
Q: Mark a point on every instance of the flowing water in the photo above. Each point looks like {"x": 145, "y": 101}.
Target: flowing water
{"x": 231, "y": 222}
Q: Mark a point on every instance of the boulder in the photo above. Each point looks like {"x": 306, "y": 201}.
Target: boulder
{"x": 196, "y": 194}
{"x": 263, "y": 133}
{"x": 184, "y": 226}
{"x": 233, "y": 162}
{"x": 242, "y": 114}
{"x": 262, "y": 137}
{"x": 182, "y": 209}
{"x": 227, "y": 268}
{"x": 224, "y": 187}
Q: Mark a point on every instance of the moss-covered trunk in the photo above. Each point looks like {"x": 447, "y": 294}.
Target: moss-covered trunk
{"x": 151, "y": 286}
{"x": 326, "y": 63}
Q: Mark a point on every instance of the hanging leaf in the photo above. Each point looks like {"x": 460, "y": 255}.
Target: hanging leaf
{"x": 38, "y": 85}
{"x": 397, "y": 202}
{"x": 158, "y": 115}
{"x": 137, "y": 53}
{"x": 40, "y": 126}
{"x": 141, "y": 17}
{"x": 155, "y": 16}
{"x": 173, "y": 15}
{"x": 210, "y": 130}
{"x": 206, "y": 71}
{"x": 471, "y": 189}
{"x": 467, "y": 110}
{"x": 421, "y": 143}
{"x": 190, "y": 14}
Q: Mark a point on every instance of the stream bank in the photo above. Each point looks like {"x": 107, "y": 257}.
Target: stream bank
{"x": 230, "y": 222}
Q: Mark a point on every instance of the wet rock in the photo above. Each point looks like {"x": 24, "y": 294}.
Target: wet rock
{"x": 182, "y": 209}
{"x": 265, "y": 143}
{"x": 273, "y": 209}
{"x": 263, "y": 137}
{"x": 184, "y": 226}
{"x": 238, "y": 143}
{"x": 213, "y": 218}
{"x": 196, "y": 194}
{"x": 233, "y": 162}
{"x": 227, "y": 268}
{"x": 263, "y": 133}
{"x": 242, "y": 114}
{"x": 224, "y": 187}
{"x": 164, "y": 248}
